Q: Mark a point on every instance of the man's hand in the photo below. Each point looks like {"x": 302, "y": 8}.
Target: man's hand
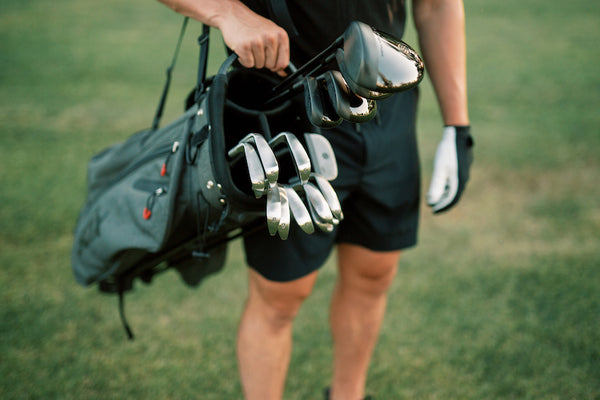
{"x": 258, "y": 42}
{"x": 450, "y": 168}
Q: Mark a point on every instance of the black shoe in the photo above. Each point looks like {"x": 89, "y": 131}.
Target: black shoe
{"x": 327, "y": 395}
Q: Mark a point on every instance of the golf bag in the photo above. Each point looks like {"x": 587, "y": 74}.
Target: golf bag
{"x": 169, "y": 197}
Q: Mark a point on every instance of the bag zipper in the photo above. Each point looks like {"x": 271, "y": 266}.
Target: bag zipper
{"x": 161, "y": 151}
{"x": 163, "y": 170}
{"x": 151, "y": 200}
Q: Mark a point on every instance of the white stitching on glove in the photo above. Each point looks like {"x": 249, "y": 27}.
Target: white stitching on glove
{"x": 450, "y": 168}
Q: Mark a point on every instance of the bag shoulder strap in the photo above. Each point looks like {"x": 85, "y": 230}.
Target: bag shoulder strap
{"x": 202, "y": 65}
{"x": 165, "y": 92}
{"x": 202, "y": 61}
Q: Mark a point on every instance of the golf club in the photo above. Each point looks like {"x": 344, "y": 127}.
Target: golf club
{"x": 321, "y": 155}
{"x": 318, "y": 221}
{"x": 255, "y": 169}
{"x": 299, "y": 211}
{"x": 346, "y": 103}
{"x": 269, "y": 162}
{"x": 299, "y": 155}
{"x": 319, "y": 108}
{"x": 366, "y": 93}
{"x": 378, "y": 61}
{"x": 330, "y": 196}
{"x": 273, "y": 209}
{"x": 367, "y": 58}
{"x": 283, "y": 229}
{"x": 319, "y": 205}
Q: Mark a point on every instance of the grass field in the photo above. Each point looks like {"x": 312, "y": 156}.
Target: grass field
{"x": 500, "y": 300}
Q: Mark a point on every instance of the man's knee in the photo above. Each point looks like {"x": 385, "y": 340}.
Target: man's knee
{"x": 366, "y": 270}
{"x": 279, "y": 302}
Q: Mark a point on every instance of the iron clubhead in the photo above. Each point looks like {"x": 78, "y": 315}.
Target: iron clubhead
{"x": 317, "y": 201}
{"x": 283, "y": 229}
{"x": 299, "y": 155}
{"x": 273, "y": 209}
{"x": 299, "y": 211}
{"x": 267, "y": 157}
{"x": 330, "y": 196}
{"x": 256, "y": 172}
{"x": 321, "y": 155}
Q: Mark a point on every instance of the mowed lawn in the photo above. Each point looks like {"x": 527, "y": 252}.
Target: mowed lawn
{"x": 500, "y": 300}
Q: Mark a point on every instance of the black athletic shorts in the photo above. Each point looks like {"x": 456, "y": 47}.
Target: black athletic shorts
{"x": 378, "y": 185}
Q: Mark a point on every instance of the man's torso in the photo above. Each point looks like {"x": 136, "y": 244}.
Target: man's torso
{"x": 320, "y": 22}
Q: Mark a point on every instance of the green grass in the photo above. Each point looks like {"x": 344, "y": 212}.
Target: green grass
{"x": 500, "y": 300}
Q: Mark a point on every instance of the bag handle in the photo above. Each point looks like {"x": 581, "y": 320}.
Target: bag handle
{"x": 202, "y": 65}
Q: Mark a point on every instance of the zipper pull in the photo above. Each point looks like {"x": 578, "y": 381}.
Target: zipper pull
{"x": 163, "y": 170}
{"x": 150, "y": 202}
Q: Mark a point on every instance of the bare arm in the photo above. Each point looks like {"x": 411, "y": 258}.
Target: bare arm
{"x": 257, "y": 41}
{"x": 441, "y": 28}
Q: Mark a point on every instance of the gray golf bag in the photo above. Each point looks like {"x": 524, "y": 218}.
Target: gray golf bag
{"x": 169, "y": 197}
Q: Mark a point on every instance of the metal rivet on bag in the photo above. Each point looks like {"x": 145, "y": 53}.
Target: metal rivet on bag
{"x": 222, "y": 200}
{"x": 201, "y": 111}
{"x": 219, "y": 186}
{"x": 210, "y": 184}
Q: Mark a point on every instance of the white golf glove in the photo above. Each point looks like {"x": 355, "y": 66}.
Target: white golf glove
{"x": 453, "y": 159}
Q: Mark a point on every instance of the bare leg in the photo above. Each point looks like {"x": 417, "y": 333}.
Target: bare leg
{"x": 265, "y": 334}
{"x": 357, "y": 311}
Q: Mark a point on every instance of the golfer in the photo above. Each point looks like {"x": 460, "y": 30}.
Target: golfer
{"x": 378, "y": 182}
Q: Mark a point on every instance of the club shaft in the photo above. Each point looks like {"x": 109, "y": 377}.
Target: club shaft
{"x": 320, "y": 58}
{"x": 296, "y": 88}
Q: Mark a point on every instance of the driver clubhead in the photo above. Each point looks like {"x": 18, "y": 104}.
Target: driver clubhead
{"x": 378, "y": 61}
{"x": 319, "y": 109}
{"x": 346, "y": 103}
{"x": 359, "y": 90}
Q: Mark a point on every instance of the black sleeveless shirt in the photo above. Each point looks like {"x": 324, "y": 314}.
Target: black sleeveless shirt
{"x": 320, "y": 22}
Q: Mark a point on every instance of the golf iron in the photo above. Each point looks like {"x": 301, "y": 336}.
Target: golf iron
{"x": 300, "y": 157}
{"x": 256, "y": 172}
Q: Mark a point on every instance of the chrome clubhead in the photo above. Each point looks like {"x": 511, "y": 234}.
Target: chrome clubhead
{"x": 267, "y": 157}
{"x": 273, "y": 209}
{"x": 361, "y": 91}
{"x": 346, "y": 103}
{"x": 299, "y": 155}
{"x": 317, "y": 201}
{"x": 377, "y": 61}
{"x": 256, "y": 173}
{"x": 299, "y": 211}
{"x": 283, "y": 229}
{"x": 321, "y": 155}
{"x": 330, "y": 196}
